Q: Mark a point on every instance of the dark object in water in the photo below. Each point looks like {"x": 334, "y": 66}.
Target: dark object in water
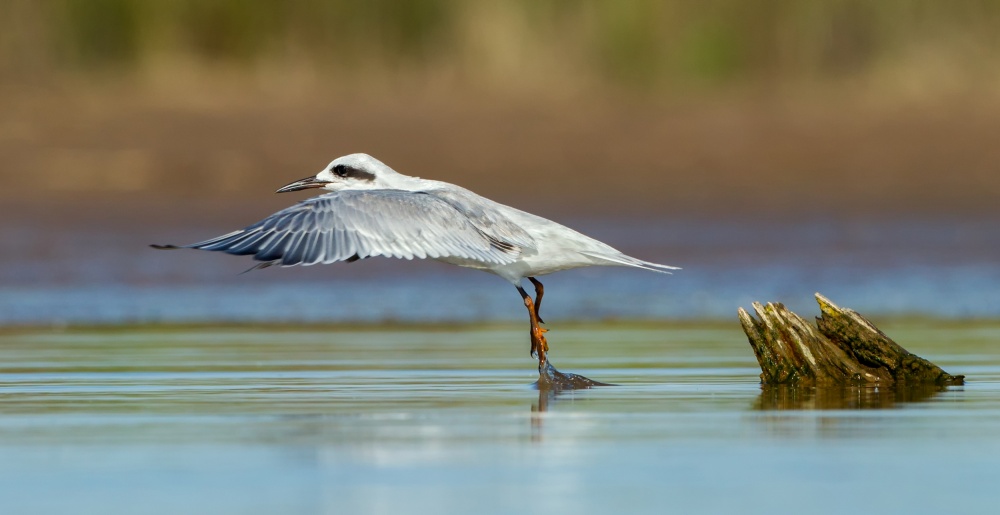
{"x": 843, "y": 348}
{"x": 550, "y": 379}
{"x": 778, "y": 397}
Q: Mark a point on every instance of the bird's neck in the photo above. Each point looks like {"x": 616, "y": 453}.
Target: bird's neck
{"x": 407, "y": 183}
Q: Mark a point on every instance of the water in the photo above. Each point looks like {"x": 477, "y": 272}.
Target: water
{"x": 67, "y": 272}
{"x": 360, "y": 411}
{"x": 443, "y": 420}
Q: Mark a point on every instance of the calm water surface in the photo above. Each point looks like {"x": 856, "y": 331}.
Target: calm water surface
{"x": 71, "y": 273}
{"x": 424, "y": 420}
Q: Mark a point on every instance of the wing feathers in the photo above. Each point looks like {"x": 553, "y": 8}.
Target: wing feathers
{"x": 350, "y": 225}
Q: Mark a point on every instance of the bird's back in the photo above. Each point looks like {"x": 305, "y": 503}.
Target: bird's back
{"x": 548, "y": 246}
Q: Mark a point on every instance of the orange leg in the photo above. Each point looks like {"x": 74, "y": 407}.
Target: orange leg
{"x": 539, "y": 291}
{"x": 539, "y": 347}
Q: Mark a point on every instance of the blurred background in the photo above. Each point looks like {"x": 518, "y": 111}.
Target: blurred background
{"x": 771, "y": 148}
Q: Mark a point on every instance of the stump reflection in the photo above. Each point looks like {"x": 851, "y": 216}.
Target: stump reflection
{"x": 796, "y": 397}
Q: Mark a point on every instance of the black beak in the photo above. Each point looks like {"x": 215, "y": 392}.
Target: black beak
{"x": 308, "y": 182}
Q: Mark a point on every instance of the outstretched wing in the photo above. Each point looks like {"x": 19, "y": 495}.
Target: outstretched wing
{"x": 356, "y": 224}
{"x": 485, "y": 216}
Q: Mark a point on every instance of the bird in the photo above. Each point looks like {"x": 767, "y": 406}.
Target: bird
{"x": 371, "y": 210}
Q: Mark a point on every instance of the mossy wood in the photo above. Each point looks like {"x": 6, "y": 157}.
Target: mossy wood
{"x": 842, "y": 348}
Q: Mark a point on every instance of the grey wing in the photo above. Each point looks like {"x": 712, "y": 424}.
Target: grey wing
{"x": 484, "y": 214}
{"x": 351, "y": 225}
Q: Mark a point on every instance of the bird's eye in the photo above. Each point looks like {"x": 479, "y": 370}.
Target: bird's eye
{"x": 340, "y": 170}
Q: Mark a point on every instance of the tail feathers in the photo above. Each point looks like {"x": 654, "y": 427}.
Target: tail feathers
{"x": 623, "y": 260}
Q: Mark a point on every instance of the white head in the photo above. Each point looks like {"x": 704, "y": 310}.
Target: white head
{"x": 351, "y": 172}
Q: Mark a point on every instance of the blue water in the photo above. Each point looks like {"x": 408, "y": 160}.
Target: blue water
{"x": 241, "y": 421}
{"x": 441, "y": 419}
{"x": 55, "y": 275}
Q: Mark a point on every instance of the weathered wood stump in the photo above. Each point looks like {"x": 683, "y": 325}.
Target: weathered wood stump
{"x": 844, "y": 348}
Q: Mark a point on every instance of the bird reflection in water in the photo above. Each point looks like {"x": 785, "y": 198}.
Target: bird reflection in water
{"x": 792, "y": 397}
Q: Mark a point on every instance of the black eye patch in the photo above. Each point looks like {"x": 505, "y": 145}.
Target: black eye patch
{"x": 354, "y": 173}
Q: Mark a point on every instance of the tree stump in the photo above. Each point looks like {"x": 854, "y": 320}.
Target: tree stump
{"x": 844, "y": 348}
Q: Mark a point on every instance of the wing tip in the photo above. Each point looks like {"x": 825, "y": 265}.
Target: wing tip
{"x": 656, "y": 267}
{"x": 626, "y": 260}
{"x": 259, "y": 266}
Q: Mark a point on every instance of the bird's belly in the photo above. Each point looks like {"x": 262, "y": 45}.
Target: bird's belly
{"x": 536, "y": 265}
{"x": 540, "y": 265}
{"x": 527, "y": 266}
{"x": 467, "y": 263}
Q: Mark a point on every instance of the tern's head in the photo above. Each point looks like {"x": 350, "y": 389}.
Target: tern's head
{"x": 351, "y": 172}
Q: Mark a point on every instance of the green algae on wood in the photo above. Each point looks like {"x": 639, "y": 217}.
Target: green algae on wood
{"x": 842, "y": 348}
